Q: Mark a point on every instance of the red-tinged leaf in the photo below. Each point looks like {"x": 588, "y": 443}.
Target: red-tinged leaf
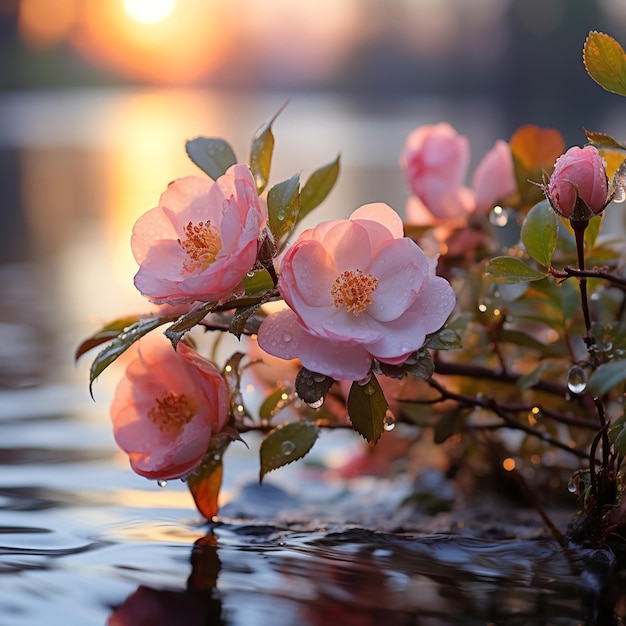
{"x": 605, "y": 62}
{"x": 106, "y": 333}
{"x": 261, "y": 152}
{"x": 205, "y": 483}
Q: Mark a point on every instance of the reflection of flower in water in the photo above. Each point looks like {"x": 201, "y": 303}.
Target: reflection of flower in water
{"x": 198, "y": 605}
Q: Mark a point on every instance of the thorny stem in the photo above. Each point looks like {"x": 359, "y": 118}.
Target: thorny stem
{"x": 572, "y": 272}
{"x": 579, "y": 227}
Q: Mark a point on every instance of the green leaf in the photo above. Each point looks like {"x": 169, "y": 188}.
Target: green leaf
{"x": 605, "y": 62}
{"x": 540, "y": 233}
{"x": 273, "y": 403}
{"x": 187, "y": 321}
{"x": 444, "y": 339}
{"x": 607, "y": 376}
{"x": 317, "y": 187}
{"x": 506, "y": 269}
{"x": 261, "y": 151}
{"x": 212, "y": 156}
{"x": 286, "y": 444}
{"x": 367, "y": 407}
{"x": 421, "y": 365}
{"x": 206, "y": 481}
{"x": 120, "y": 344}
{"x": 312, "y": 387}
{"x": 260, "y": 281}
{"x": 241, "y": 317}
{"x": 106, "y": 333}
{"x": 283, "y": 206}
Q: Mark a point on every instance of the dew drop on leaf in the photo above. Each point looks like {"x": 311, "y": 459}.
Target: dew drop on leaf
{"x": 287, "y": 447}
{"x": 365, "y": 381}
{"x": 316, "y": 404}
{"x": 576, "y": 379}
{"x": 571, "y": 485}
{"x": 389, "y": 423}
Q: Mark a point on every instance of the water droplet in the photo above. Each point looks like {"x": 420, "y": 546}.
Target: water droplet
{"x": 162, "y": 483}
{"x": 287, "y": 337}
{"x": 365, "y": 381}
{"x": 620, "y": 195}
{"x": 499, "y": 216}
{"x": 316, "y": 404}
{"x": 287, "y": 447}
{"x": 250, "y": 274}
{"x": 571, "y": 485}
{"x": 389, "y": 423}
{"x": 318, "y": 378}
{"x": 576, "y": 379}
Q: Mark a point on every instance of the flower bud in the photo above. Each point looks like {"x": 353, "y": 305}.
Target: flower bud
{"x": 579, "y": 187}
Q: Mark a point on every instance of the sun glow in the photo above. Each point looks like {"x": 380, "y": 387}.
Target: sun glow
{"x": 149, "y": 11}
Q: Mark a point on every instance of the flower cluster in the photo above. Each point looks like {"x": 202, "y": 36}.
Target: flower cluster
{"x": 375, "y": 327}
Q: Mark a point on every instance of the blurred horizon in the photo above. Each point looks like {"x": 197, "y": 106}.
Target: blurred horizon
{"x": 524, "y": 55}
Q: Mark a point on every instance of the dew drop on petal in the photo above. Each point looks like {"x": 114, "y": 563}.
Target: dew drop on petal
{"x": 365, "y": 381}
{"x": 576, "y": 379}
{"x": 287, "y": 448}
{"x": 162, "y": 483}
{"x": 287, "y": 337}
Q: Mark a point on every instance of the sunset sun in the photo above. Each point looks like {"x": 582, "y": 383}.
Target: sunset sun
{"x": 149, "y": 11}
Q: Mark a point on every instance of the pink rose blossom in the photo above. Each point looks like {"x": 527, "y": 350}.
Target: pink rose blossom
{"x": 579, "y": 175}
{"x": 201, "y": 240}
{"x": 435, "y": 160}
{"x": 357, "y": 290}
{"x": 494, "y": 177}
{"x": 166, "y": 408}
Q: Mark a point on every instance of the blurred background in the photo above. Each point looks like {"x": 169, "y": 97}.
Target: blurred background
{"x": 97, "y": 98}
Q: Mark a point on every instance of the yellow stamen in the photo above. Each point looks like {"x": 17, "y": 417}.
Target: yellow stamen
{"x": 353, "y": 290}
{"x": 201, "y": 244}
{"x": 171, "y": 413}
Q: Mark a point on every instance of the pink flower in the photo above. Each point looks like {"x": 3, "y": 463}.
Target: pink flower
{"x": 435, "y": 160}
{"x": 201, "y": 240}
{"x": 357, "y": 290}
{"x": 578, "y": 187}
{"x": 166, "y": 408}
{"x": 494, "y": 177}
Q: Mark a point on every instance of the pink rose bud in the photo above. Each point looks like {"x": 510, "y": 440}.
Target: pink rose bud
{"x": 578, "y": 187}
{"x": 434, "y": 161}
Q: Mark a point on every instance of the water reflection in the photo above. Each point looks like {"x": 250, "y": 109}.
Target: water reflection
{"x": 267, "y": 575}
